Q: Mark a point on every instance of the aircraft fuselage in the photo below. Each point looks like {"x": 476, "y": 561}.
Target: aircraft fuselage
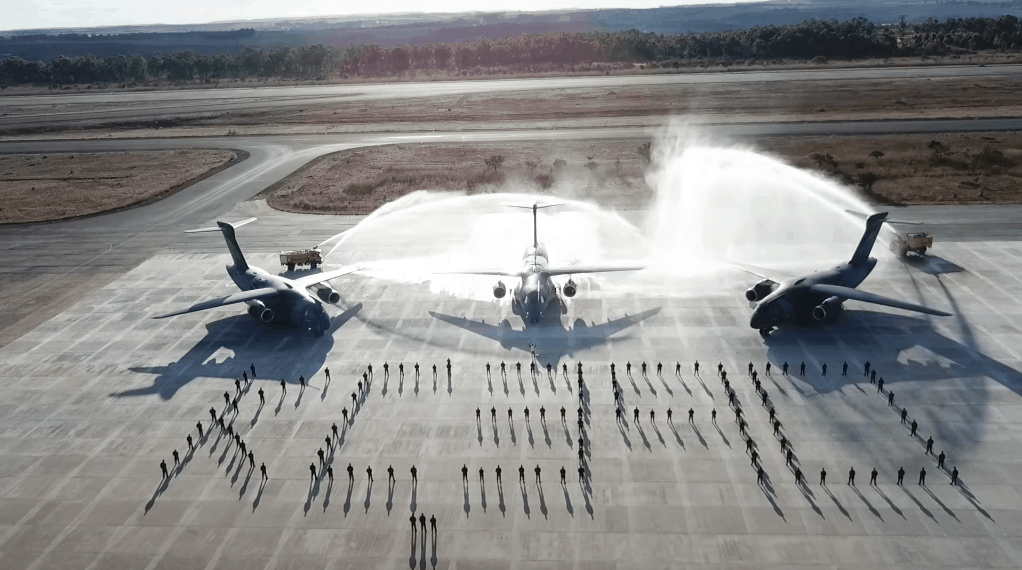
{"x": 794, "y": 301}
{"x": 536, "y": 292}
{"x": 293, "y": 304}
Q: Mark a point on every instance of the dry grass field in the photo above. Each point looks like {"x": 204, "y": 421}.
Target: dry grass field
{"x": 908, "y": 169}
{"x": 42, "y": 187}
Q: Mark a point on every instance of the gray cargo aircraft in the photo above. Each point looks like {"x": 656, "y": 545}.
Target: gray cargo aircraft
{"x": 536, "y": 293}
{"x": 272, "y": 297}
{"x": 819, "y": 296}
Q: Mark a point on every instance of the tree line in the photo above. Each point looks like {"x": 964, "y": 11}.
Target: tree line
{"x": 531, "y": 53}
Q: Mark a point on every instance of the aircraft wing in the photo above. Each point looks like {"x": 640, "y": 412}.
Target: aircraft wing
{"x": 555, "y": 271}
{"x": 849, "y": 293}
{"x": 771, "y": 274}
{"x": 239, "y": 297}
{"x": 317, "y": 278}
{"x": 499, "y": 272}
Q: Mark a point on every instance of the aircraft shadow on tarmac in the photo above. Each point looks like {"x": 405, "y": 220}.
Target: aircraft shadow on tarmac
{"x": 549, "y": 337}
{"x": 299, "y": 352}
{"x": 931, "y": 264}
{"x": 900, "y": 348}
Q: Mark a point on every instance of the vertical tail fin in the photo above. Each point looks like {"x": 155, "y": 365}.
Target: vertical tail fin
{"x": 232, "y": 242}
{"x": 232, "y": 245}
{"x": 535, "y": 206}
{"x": 869, "y": 236}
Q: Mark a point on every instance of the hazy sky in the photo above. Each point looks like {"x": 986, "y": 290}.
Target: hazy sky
{"x": 27, "y": 14}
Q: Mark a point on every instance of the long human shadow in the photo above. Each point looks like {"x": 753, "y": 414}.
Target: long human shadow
{"x": 868, "y": 504}
{"x": 698, "y": 435}
{"x": 642, "y": 434}
{"x": 890, "y": 503}
{"x": 624, "y": 435}
{"x": 918, "y": 504}
{"x": 838, "y": 503}
{"x": 500, "y": 499}
{"x": 550, "y": 339}
{"x": 677, "y": 436}
{"x": 567, "y": 501}
{"x": 902, "y": 347}
{"x": 255, "y": 418}
{"x": 808, "y": 494}
{"x": 232, "y": 343}
{"x": 939, "y": 502}
{"x": 666, "y": 385}
{"x": 649, "y": 384}
{"x": 327, "y": 494}
{"x": 659, "y": 435}
{"x": 525, "y": 502}
{"x": 542, "y": 501}
{"x": 159, "y": 491}
{"x": 259, "y": 495}
{"x": 347, "y": 499}
{"x": 722, "y": 436}
{"x": 313, "y": 491}
{"x": 962, "y": 488}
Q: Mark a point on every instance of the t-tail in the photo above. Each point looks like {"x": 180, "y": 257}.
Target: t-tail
{"x": 873, "y": 225}
{"x": 232, "y": 242}
{"x": 535, "y": 206}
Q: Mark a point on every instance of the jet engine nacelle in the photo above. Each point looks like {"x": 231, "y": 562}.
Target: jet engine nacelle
{"x": 760, "y": 290}
{"x": 570, "y": 288}
{"x": 499, "y": 290}
{"x": 327, "y": 293}
{"x": 260, "y": 311}
{"x": 827, "y": 309}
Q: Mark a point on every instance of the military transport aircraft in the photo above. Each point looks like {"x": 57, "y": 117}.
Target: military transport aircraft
{"x": 272, "y": 297}
{"x": 819, "y": 295}
{"x": 536, "y": 293}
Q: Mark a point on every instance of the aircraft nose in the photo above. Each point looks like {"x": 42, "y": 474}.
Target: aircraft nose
{"x": 756, "y": 321}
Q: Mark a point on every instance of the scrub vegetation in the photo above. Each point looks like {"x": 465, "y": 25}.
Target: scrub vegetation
{"x": 888, "y": 169}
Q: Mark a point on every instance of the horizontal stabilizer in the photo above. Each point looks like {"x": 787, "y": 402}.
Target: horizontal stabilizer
{"x": 555, "y": 271}
{"x": 849, "y": 293}
{"x": 533, "y": 205}
{"x": 217, "y": 228}
{"x": 866, "y": 216}
{"x": 223, "y": 301}
{"x": 497, "y": 272}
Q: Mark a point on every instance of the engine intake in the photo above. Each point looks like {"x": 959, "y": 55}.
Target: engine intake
{"x": 499, "y": 290}
{"x": 261, "y": 312}
{"x": 827, "y": 309}
{"x": 570, "y": 288}
{"x": 760, "y": 290}
{"x": 328, "y": 294}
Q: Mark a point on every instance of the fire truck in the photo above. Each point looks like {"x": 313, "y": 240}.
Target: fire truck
{"x": 311, "y": 257}
{"x": 917, "y": 243}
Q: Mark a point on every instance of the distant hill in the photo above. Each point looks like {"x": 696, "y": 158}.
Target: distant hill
{"x": 417, "y": 29}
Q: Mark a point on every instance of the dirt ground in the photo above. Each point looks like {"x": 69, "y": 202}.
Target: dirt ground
{"x": 43, "y": 187}
{"x": 909, "y": 169}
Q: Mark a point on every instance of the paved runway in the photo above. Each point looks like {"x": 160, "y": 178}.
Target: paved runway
{"x": 152, "y": 103}
{"x": 50, "y": 265}
{"x": 94, "y": 394}
{"x": 94, "y": 398}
